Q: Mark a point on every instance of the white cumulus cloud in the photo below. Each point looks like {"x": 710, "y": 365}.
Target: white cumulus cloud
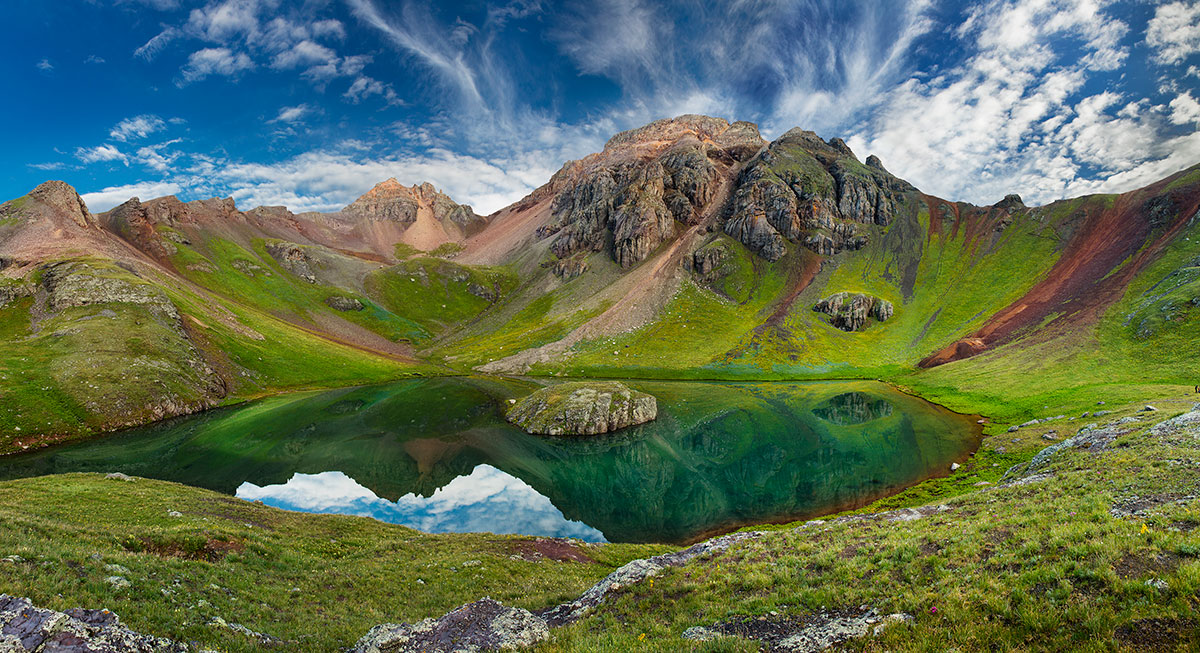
{"x": 1174, "y": 31}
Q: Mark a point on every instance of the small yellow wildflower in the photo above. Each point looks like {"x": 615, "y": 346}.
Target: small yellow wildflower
{"x": 1145, "y": 529}
{"x": 642, "y": 637}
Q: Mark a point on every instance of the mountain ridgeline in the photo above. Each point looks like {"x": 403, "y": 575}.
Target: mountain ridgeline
{"x": 689, "y": 247}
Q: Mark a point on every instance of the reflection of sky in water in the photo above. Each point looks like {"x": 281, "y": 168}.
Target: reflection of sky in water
{"x": 485, "y": 501}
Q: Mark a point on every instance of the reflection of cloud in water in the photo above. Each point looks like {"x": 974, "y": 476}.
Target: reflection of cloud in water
{"x": 486, "y": 500}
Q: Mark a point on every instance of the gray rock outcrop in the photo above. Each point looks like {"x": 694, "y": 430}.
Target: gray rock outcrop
{"x": 293, "y": 258}
{"x": 850, "y": 311}
{"x": 588, "y": 408}
{"x": 344, "y": 304}
{"x": 484, "y": 625}
{"x": 25, "y": 627}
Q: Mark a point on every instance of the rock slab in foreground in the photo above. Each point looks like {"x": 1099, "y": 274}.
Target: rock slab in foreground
{"x": 484, "y": 625}
{"x": 25, "y": 627}
{"x": 587, "y": 408}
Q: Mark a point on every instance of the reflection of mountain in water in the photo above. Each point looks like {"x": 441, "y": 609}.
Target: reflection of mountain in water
{"x": 486, "y": 500}
{"x": 720, "y": 454}
{"x": 853, "y": 408}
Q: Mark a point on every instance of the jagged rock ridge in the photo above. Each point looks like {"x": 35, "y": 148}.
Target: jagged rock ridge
{"x": 391, "y": 200}
{"x": 805, "y": 190}
{"x": 645, "y": 183}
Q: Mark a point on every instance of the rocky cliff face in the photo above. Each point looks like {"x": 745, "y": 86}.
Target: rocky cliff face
{"x": 647, "y": 182}
{"x": 805, "y": 190}
{"x": 583, "y": 409}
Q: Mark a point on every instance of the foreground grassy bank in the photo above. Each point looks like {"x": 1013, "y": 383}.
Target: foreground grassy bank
{"x": 1062, "y": 561}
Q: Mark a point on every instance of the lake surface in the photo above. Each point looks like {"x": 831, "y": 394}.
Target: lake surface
{"x": 436, "y": 455}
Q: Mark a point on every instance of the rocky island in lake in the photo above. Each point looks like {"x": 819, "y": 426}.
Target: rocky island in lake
{"x": 584, "y": 408}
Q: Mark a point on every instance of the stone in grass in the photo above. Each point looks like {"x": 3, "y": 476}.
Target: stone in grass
{"x": 484, "y": 625}
{"x": 26, "y": 627}
{"x": 583, "y": 408}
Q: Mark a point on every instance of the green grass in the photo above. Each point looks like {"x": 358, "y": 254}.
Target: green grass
{"x": 532, "y": 326}
{"x": 320, "y": 581}
{"x": 95, "y": 368}
{"x": 215, "y": 263}
{"x": 436, "y": 294}
{"x": 446, "y": 250}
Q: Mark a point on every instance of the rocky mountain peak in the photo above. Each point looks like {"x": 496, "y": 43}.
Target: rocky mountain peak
{"x": 393, "y": 201}
{"x": 1010, "y": 202}
{"x": 389, "y": 188}
{"x": 706, "y": 129}
{"x": 62, "y": 197}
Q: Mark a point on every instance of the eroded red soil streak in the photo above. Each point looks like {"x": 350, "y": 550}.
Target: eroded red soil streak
{"x": 933, "y": 205}
{"x": 1089, "y": 276}
{"x": 802, "y": 275}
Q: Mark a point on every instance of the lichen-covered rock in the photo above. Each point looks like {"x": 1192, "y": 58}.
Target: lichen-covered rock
{"x": 583, "y": 408}
{"x": 294, "y": 259}
{"x": 485, "y": 625}
{"x": 571, "y": 267}
{"x": 810, "y": 634}
{"x": 344, "y": 304}
{"x": 11, "y": 291}
{"x": 850, "y": 311}
{"x": 76, "y": 284}
{"x": 25, "y": 627}
{"x": 709, "y": 258}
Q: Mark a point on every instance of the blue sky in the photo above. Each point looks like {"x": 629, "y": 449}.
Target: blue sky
{"x": 308, "y": 103}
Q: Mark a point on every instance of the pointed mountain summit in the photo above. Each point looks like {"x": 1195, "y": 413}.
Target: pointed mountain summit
{"x": 61, "y": 197}
{"x": 391, "y": 200}
{"x": 427, "y": 216}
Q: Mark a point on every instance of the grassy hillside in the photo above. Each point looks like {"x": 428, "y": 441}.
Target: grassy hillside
{"x": 108, "y": 348}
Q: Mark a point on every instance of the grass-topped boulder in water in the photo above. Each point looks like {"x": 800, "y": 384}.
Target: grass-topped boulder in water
{"x": 583, "y": 408}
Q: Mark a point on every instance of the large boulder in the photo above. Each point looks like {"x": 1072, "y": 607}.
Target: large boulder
{"x": 587, "y": 408}
{"x": 850, "y": 311}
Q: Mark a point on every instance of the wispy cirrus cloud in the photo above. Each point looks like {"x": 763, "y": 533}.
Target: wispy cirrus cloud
{"x": 101, "y": 153}
{"x": 292, "y": 114}
{"x": 971, "y": 101}
{"x": 136, "y": 127}
{"x": 214, "y": 61}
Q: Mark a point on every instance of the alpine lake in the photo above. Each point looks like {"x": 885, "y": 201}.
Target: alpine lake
{"x": 436, "y": 454}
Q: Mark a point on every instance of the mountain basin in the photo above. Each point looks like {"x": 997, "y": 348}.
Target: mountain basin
{"x": 436, "y": 454}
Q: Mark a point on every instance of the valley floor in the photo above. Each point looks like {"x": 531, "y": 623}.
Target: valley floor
{"x": 1093, "y": 547}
